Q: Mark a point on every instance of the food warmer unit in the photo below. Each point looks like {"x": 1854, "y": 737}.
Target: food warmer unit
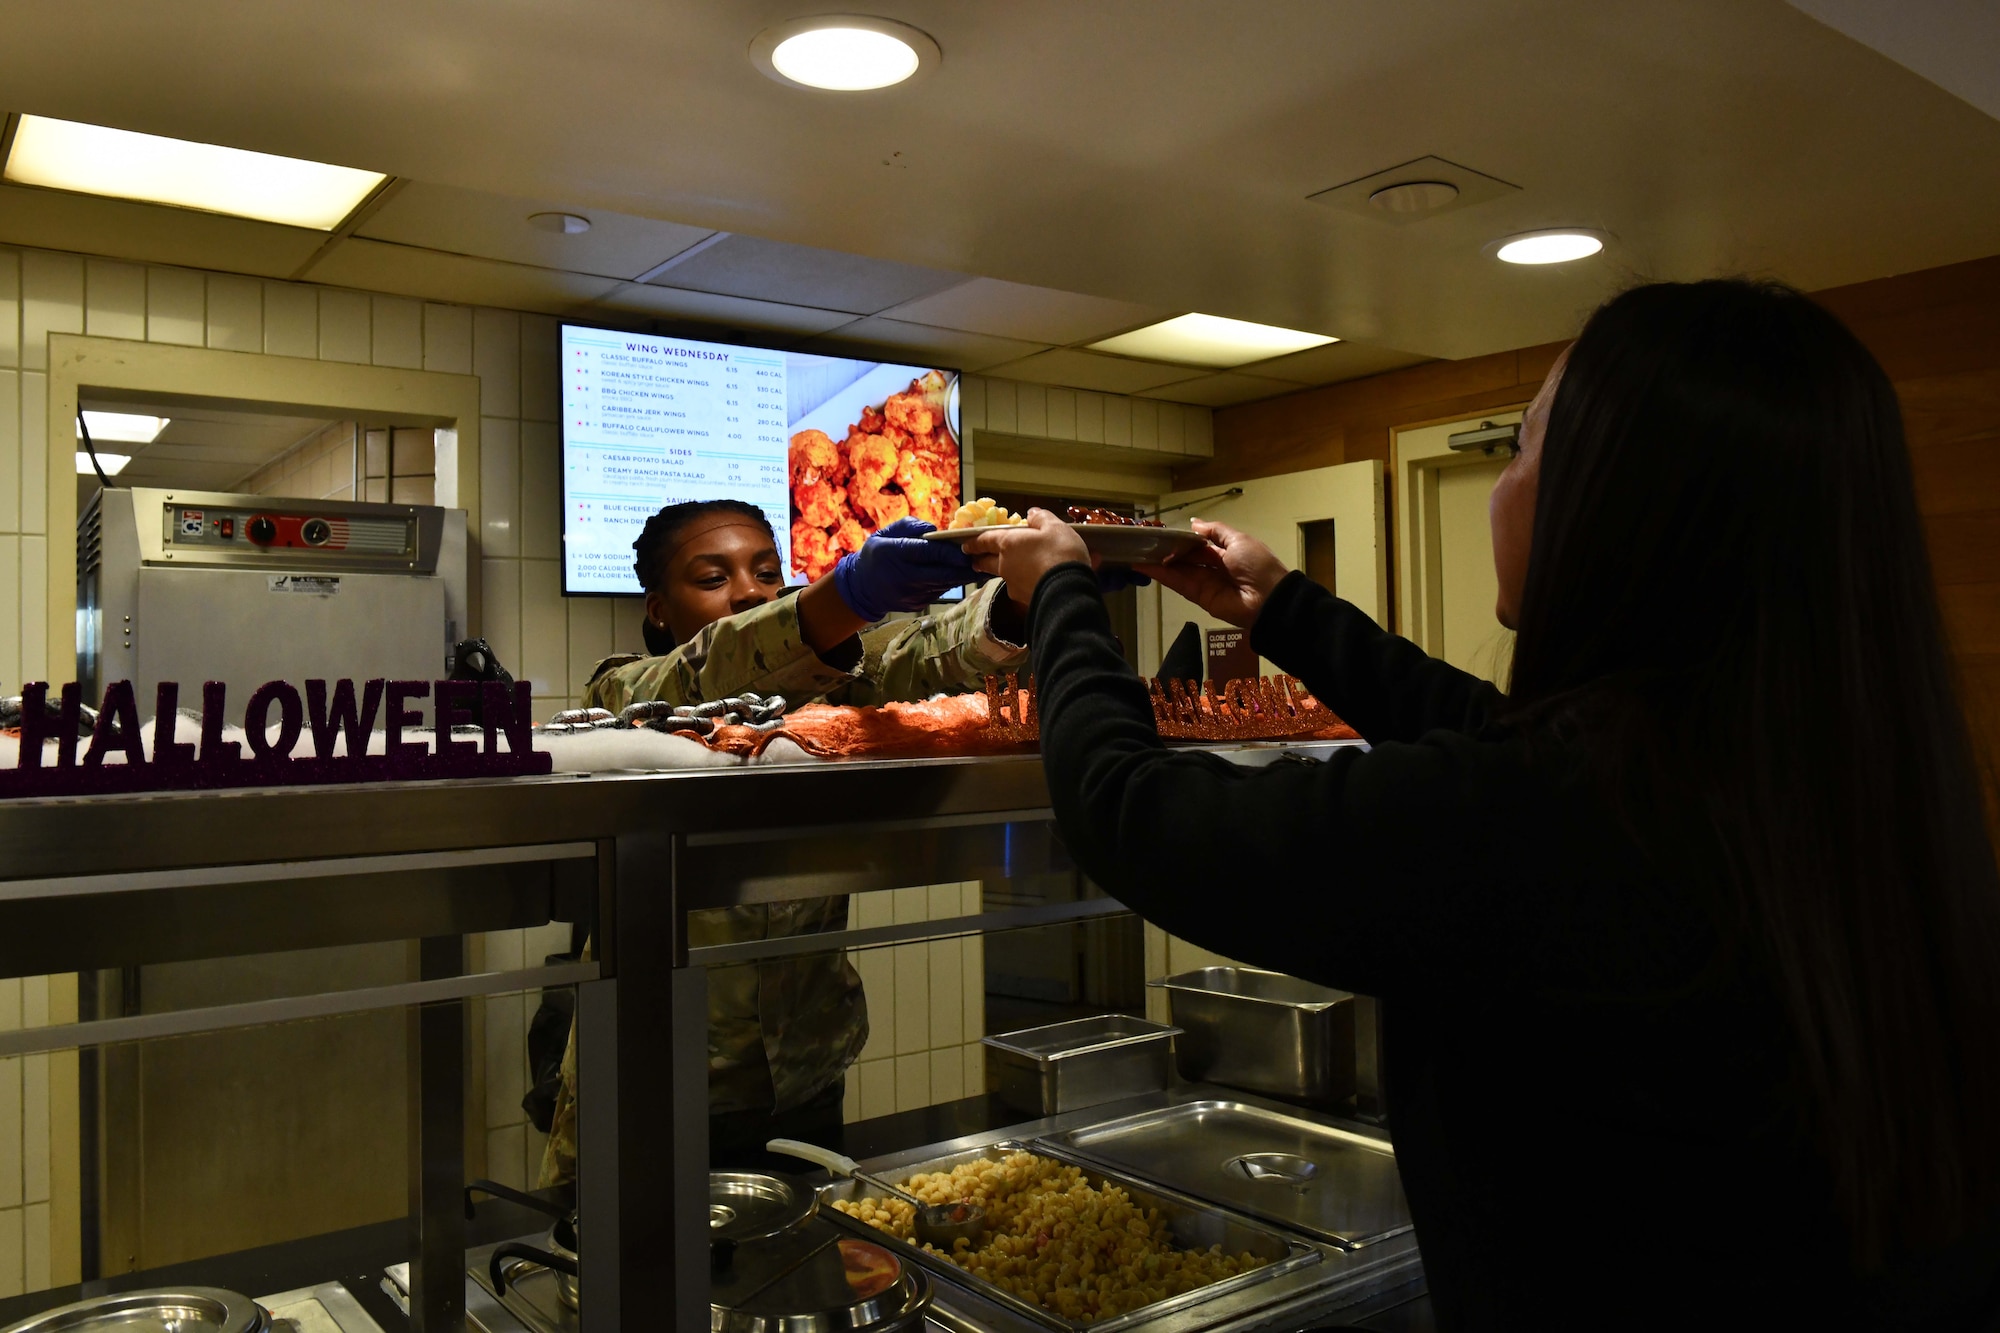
{"x": 192, "y": 586}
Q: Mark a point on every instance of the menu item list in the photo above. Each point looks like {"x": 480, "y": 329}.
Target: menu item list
{"x": 652, "y": 421}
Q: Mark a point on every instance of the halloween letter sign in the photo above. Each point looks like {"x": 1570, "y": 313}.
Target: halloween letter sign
{"x": 417, "y": 719}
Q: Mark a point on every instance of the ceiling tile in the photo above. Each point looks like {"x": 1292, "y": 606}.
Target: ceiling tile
{"x": 151, "y": 233}
{"x": 880, "y": 336}
{"x": 495, "y": 226}
{"x": 408, "y": 270}
{"x": 764, "y": 270}
{"x": 1332, "y": 363}
{"x": 1037, "y": 314}
{"x": 1088, "y": 370}
{"x": 1223, "y": 390}
{"x": 705, "y": 313}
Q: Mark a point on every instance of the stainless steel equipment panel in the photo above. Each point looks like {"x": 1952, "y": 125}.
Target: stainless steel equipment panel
{"x": 244, "y": 627}
{"x": 1324, "y": 1181}
{"x": 193, "y": 586}
{"x": 272, "y": 532}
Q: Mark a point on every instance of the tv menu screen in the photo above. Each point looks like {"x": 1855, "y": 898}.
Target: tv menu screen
{"x": 830, "y": 448}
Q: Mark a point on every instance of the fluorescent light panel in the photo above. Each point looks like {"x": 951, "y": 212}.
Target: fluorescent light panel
{"x": 113, "y": 464}
{"x": 91, "y": 159}
{"x": 1210, "y": 340}
{"x": 122, "y": 427}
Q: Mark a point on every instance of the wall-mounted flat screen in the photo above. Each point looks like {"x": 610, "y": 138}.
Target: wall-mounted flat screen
{"x": 828, "y": 447}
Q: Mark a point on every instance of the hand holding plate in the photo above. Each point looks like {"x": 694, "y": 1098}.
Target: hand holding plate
{"x": 1022, "y": 555}
{"x": 1229, "y": 577}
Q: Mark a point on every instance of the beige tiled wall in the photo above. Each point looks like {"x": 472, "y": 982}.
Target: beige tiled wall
{"x": 1114, "y": 421}
{"x": 926, "y": 1005}
{"x": 412, "y": 478}
{"x": 513, "y": 1146}
{"x": 318, "y": 468}
{"x": 399, "y": 465}
{"x": 24, "y": 1145}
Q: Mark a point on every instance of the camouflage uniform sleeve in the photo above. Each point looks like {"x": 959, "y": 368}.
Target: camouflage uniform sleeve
{"x": 760, "y": 649}
{"x": 939, "y": 653}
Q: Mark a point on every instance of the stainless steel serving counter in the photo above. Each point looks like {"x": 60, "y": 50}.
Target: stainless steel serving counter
{"x": 100, "y": 882}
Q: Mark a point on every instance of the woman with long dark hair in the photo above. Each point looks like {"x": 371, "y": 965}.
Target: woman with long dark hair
{"x": 1689, "y": 945}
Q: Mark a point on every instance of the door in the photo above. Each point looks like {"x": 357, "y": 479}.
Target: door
{"x": 1329, "y": 521}
{"x": 1444, "y": 555}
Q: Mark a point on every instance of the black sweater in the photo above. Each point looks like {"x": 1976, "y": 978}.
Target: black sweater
{"x": 1590, "y": 1101}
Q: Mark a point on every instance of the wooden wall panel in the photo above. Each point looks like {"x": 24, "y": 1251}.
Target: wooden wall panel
{"x": 1937, "y": 333}
{"x": 1944, "y": 409}
{"x": 1341, "y": 423}
{"x": 1953, "y": 478}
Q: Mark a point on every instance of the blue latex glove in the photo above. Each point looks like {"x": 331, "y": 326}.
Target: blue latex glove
{"x": 897, "y": 570}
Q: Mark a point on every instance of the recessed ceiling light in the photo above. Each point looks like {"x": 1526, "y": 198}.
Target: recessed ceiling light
{"x": 1210, "y": 340}
{"x": 123, "y": 427}
{"x": 846, "y": 53}
{"x": 563, "y": 224}
{"x": 113, "y": 464}
{"x": 1554, "y": 246}
{"x": 91, "y": 159}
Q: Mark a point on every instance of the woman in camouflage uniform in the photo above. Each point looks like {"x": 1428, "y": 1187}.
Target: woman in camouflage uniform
{"x": 782, "y": 1034}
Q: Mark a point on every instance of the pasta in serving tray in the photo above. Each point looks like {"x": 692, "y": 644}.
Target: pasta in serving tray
{"x": 1068, "y": 1242}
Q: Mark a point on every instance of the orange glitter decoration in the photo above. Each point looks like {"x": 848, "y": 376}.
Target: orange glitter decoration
{"x": 1268, "y": 708}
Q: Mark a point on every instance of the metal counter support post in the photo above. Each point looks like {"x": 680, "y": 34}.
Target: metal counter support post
{"x": 437, "y": 1147}
{"x": 688, "y": 1132}
{"x": 601, "y": 1270}
{"x": 642, "y": 1106}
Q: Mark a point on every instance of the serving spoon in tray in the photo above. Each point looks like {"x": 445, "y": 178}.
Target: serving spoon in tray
{"x": 938, "y": 1224}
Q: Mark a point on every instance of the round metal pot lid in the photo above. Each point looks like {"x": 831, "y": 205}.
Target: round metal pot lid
{"x": 851, "y": 1286}
{"x": 750, "y": 1205}
{"x": 164, "y": 1310}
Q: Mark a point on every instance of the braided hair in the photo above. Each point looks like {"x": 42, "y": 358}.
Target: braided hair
{"x": 656, "y": 542}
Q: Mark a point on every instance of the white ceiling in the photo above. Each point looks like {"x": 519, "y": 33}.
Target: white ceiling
{"x": 1953, "y": 43}
{"x": 204, "y": 448}
{"x": 1069, "y": 171}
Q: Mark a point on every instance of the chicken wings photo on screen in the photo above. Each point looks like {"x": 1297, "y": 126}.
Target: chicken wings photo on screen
{"x": 900, "y": 459}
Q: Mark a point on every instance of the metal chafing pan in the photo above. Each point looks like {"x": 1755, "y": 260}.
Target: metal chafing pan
{"x": 1325, "y": 1181}
{"x": 1195, "y": 1226}
{"x": 1067, "y": 1066}
{"x": 1263, "y": 1032}
{"x": 168, "y": 1310}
